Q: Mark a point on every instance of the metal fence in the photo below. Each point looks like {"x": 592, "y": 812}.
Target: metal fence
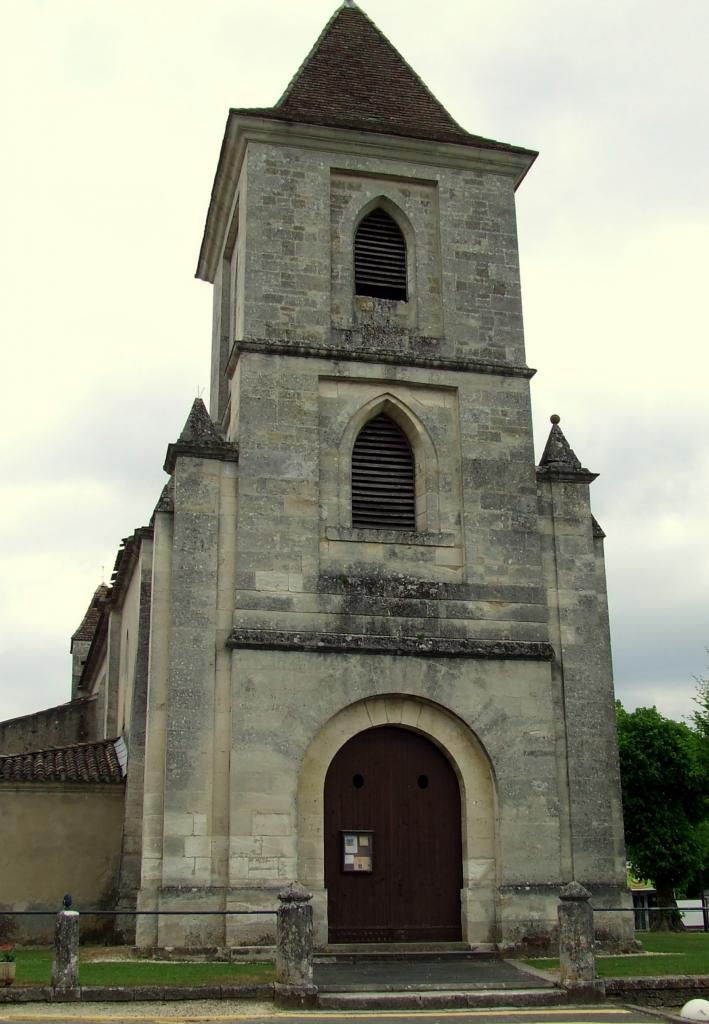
{"x": 643, "y": 912}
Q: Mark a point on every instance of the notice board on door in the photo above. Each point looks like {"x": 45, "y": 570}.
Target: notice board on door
{"x": 358, "y": 851}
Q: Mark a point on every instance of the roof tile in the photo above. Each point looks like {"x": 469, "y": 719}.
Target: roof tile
{"x": 354, "y": 78}
{"x": 93, "y": 613}
{"x": 84, "y": 762}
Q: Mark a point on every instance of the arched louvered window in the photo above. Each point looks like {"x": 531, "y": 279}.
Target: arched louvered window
{"x": 383, "y": 477}
{"x": 380, "y": 257}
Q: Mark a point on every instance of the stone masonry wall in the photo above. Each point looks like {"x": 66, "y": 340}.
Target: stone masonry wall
{"x": 299, "y": 566}
{"x": 301, "y": 214}
{"x": 132, "y": 842}
{"x": 75, "y": 722}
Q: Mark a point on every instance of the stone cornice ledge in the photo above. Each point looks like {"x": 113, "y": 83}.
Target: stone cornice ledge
{"x": 566, "y": 476}
{"x": 414, "y": 646}
{"x": 223, "y": 451}
{"x": 261, "y": 127}
{"x": 372, "y": 355}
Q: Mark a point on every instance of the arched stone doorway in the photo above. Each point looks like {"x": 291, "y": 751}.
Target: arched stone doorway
{"x": 393, "y": 862}
{"x": 477, "y": 797}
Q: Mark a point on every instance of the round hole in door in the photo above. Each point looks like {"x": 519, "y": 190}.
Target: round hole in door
{"x": 422, "y": 781}
{"x": 358, "y": 781}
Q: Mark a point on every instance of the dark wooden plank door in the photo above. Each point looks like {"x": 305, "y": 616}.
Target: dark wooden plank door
{"x": 400, "y": 786}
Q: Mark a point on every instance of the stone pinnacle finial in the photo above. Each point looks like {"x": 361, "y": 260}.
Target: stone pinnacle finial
{"x": 294, "y": 893}
{"x": 199, "y": 427}
{"x": 574, "y": 891}
{"x": 558, "y": 452}
{"x": 199, "y": 438}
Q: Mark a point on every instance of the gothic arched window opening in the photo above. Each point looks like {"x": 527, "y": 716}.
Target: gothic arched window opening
{"x": 383, "y": 477}
{"x": 380, "y": 257}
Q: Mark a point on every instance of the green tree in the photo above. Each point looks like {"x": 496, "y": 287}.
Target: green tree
{"x": 696, "y": 884}
{"x": 701, "y": 717}
{"x": 664, "y": 782}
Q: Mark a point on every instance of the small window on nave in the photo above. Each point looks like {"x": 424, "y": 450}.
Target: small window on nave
{"x": 380, "y": 257}
{"x": 383, "y": 478}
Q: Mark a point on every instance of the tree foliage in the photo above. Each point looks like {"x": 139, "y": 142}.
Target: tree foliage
{"x": 665, "y": 782}
{"x": 701, "y": 717}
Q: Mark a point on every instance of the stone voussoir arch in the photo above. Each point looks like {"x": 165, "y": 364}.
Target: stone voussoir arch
{"x": 383, "y": 202}
{"x": 352, "y": 218}
{"x": 476, "y": 779}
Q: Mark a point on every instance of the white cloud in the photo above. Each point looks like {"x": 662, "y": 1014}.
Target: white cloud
{"x": 112, "y": 124}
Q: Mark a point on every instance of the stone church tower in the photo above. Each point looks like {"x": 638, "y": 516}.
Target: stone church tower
{"x": 370, "y": 637}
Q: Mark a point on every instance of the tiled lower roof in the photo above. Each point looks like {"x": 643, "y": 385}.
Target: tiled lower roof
{"x": 83, "y": 762}
{"x": 87, "y": 628}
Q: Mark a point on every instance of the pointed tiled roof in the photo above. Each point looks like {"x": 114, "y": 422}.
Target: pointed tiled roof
{"x": 126, "y": 557}
{"x": 559, "y": 458}
{"x": 354, "y": 78}
{"x": 87, "y": 628}
{"x": 82, "y": 762}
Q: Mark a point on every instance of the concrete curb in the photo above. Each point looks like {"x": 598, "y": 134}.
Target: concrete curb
{"x": 134, "y": 993}
{"x": 441, "y": 1000}
{"x": 657, "y": 1014}
{"x": 679, "y": 988}
{"x": 640, "y": 992}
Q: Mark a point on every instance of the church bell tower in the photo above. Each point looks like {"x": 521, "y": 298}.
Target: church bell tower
{"x": 380, "y": 659}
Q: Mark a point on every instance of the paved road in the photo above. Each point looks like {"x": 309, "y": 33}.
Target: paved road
{"x": 174, "y": 1014}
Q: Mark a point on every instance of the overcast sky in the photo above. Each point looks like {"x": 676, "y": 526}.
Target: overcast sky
{"x": 112, "y": 117}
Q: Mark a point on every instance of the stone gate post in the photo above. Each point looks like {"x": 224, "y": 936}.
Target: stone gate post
{"x": 294, "y": 948}
{"x": 65, "y": 965}
{"x": 576, "y": 944}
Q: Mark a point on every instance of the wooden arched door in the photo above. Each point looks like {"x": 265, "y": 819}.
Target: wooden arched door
{"x": 392, "y": 796}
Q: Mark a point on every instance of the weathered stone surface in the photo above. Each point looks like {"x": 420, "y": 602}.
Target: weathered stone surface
{"x": 671, "y": 990}
{"x": 416, "y": 646}
{"x": 295, "y": 996}
{"x": 26, "y": 994}
{"x": 358, "y": 347}
{"x": 295, "y": 893}
{"x": 576, "y": 938}
{"x": 574, "y": 891}
{"x": 65, "y": 965}
{"x": 108, "y": 994}
{"x": 586, "y": 991}
{"x": 294, "y": 945}
{"x": 200, "y": 438}
{"x": 61, "y": 726}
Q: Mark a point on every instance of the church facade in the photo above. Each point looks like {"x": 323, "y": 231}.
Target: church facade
{"x": 363, "y": 641}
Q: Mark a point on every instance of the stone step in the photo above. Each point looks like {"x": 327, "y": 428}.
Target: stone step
{"x": 460, "y": 986}
{"x": 441, "y": 999}
{"x": 353, "y": 952}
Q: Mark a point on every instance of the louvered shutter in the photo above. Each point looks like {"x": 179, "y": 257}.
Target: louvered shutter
{"x": 383, "y": 478}
{"x": 380, "y": 257}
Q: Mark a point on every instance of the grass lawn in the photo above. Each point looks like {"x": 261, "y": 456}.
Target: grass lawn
{"x": 683, "y": 953}
{"x": 34, "y": 967}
